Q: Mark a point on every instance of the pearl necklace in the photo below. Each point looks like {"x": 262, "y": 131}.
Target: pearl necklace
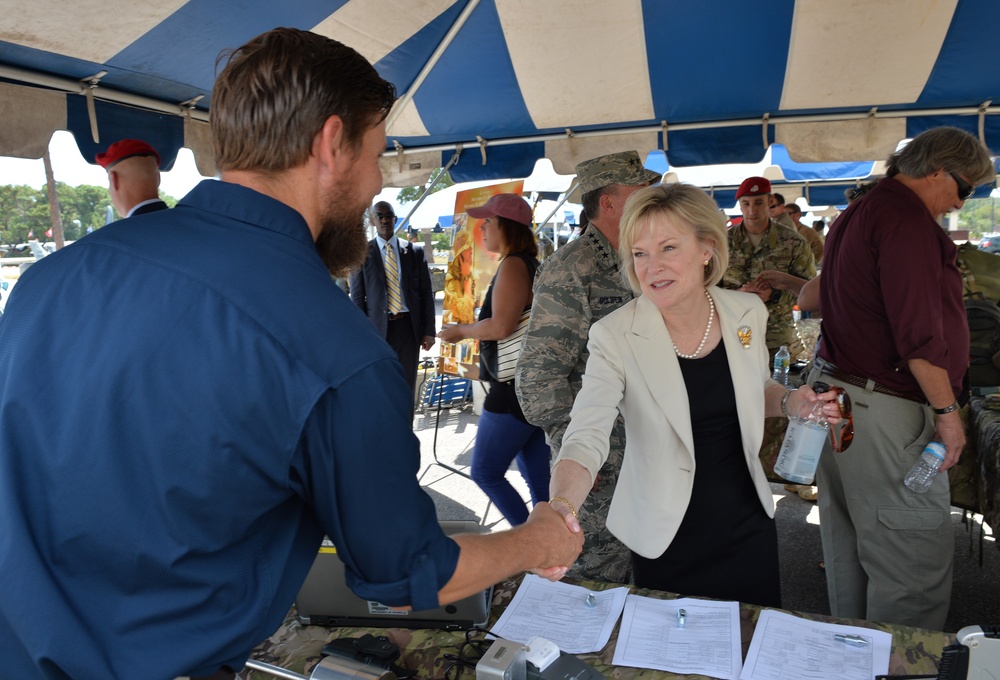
{"x": 704, "y": 339}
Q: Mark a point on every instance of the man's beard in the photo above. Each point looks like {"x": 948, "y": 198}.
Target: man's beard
{"x": 342, "y": 243}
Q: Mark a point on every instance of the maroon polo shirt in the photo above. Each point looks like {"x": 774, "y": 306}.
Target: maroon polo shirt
{"x": 892, "y": 291}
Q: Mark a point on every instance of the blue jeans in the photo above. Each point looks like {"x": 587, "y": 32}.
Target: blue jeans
{"x": 502, "y": 438}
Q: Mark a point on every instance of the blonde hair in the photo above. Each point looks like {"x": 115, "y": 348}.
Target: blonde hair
{"x": 690, "y": 204}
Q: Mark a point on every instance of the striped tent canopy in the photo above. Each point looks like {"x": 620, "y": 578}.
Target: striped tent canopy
{"x": 491, "y": 86}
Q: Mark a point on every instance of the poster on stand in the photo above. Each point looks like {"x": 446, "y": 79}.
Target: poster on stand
{"x": 470, "y": 270}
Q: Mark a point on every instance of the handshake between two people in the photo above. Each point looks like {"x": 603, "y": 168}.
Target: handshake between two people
{"x": 561, "y": 538}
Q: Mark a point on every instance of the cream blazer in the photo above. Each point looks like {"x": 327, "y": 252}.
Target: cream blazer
{"x": 633, "y": 370}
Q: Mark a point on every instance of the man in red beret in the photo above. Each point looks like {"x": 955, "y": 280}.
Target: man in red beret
{"x": 773, "y": 261}
{"x": 133, "y": 177}
{"x": 769, "y": 259}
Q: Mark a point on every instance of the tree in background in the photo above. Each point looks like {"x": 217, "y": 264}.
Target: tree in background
{"x": 24, "y": 211}
{"x": 410, "y": 194}
{"x": 980, "y": 216}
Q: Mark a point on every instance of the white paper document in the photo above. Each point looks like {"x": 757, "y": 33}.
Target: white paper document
{"x": 708, "y": 642}
{"x": 559, "y": 612}
{"x": 786, "y": 646}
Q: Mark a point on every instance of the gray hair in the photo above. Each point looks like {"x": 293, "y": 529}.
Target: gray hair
{"x": 945, "y": 148}
{"x": 687, "y": 202}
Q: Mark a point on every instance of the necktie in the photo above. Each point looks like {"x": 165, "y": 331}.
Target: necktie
{"x": 392, "y": 280}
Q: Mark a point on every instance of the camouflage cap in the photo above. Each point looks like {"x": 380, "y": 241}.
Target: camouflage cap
{"x": 623, "y": 167}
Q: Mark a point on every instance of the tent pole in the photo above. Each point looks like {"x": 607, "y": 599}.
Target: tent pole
{"x": 565, "y": 197}
{"x": 429, "y": 189}
{"x": 401, "y": 103}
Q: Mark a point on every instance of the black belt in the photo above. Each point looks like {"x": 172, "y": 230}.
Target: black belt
{"x": 398, "y": 316}
{"x": 826, "y": 368}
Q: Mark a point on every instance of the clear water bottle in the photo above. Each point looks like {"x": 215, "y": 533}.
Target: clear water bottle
{"x": 921, "y": 476}
{"x": 800, "y": 451}
{"x": 782, "y": 360}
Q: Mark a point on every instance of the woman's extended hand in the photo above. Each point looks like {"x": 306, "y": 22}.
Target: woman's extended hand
{"x": 542, "y": 512}
{"x": 452, "y": 332}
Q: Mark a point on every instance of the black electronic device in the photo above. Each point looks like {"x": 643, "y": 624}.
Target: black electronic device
{"x": 975, "y": 657}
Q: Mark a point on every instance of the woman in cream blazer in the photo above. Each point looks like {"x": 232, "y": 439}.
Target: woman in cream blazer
{"x": 686, "y": 365}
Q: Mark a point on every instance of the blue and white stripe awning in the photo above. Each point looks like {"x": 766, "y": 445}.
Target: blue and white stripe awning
{"x": 511, "y": 81}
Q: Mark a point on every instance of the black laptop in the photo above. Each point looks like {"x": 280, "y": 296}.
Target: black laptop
{"x": 325, "y": 599}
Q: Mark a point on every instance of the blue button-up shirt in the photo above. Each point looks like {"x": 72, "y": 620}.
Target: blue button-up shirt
{"x": 187, "y": 404}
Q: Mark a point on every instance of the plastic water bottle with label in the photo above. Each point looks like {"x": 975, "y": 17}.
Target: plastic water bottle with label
{"x": 782, "y": 360}
{"x": 800, "y": 451}
{"x": 922, "y": 474}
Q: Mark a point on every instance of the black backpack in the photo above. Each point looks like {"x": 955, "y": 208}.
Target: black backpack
{"x": 984, "y": 341}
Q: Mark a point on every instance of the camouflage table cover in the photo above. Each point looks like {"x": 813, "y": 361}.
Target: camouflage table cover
{"x": 297, "y": 647}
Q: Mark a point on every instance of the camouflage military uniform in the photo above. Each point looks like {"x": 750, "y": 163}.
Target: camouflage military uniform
{"x": 814, "y": 239}
{"x": 784, "y": 250}
{"x": 578, "y": 285}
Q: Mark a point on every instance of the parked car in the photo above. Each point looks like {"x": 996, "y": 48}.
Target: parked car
{"x": 990, "y": 243}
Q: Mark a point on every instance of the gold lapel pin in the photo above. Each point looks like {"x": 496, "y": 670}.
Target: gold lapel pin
{"x": 745, "y": 334}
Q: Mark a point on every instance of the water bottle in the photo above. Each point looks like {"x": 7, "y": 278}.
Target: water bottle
{"x": 800, "y": 451}
{"x": 921, "y": 476}
{"x": 782, "y": 360}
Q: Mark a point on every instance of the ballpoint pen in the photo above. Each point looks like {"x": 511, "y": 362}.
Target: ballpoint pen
{"x": 856, "y": 640}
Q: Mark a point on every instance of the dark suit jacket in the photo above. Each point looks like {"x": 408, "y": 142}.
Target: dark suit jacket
{"x": 369, "y": 293}
{"x": 150, "y": 207}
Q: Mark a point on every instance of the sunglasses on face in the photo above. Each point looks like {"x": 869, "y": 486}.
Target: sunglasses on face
{"x": 842, "y": 434}
{"x": 965, "y": 190}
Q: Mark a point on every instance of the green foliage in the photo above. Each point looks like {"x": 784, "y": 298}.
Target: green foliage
{"x": 24, "y": 209}
{"x": 442, "y": 241}
{"x": 980, "y": 216}
{"x": 410, "y": 194}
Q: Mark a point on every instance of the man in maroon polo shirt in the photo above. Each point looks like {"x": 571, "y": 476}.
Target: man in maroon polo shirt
{"x": 895, "y": 336}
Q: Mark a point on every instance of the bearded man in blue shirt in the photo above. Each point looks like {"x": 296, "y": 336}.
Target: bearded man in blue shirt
{"x": 179, "y": 432}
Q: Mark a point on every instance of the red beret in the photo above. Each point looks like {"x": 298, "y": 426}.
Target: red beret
{"x": 754, "y": 186}
{"x": 126, "y": 148}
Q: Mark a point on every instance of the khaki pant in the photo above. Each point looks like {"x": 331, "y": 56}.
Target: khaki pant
{"x": 888, "y": 551}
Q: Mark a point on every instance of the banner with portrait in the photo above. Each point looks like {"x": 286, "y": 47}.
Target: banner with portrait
{"x": 470, "y": 270}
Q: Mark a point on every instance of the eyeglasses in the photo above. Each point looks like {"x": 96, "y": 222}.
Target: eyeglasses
{"x": 772, "y": 206}
{"x": 384, "y": 216}
{"x": 965, "y": 190}
{"x": 841, "y": 434}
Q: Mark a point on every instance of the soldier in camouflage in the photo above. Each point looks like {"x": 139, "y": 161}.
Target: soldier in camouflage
{"x": 770, "y": 260}
{"x": 773, "y": 261}
{"x": 578, "y": 285}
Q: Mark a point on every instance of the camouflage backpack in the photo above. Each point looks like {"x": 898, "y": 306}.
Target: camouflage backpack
{"x": 984, "y": 341}
{"x": 981, "y": 280}
{"x": 980, "y": 272}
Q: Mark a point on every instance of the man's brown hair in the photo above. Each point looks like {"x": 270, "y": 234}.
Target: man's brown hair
{"x": 276, "y": 92}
